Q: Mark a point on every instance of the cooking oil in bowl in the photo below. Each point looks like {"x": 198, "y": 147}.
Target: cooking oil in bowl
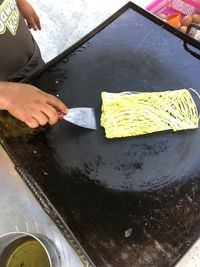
{"x": 26, "y": 252}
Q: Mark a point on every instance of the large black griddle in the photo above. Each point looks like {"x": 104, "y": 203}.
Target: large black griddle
{"x": 131, "y": 201}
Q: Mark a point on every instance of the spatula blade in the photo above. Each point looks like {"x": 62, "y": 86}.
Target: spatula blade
{"x": 83, "y": 117}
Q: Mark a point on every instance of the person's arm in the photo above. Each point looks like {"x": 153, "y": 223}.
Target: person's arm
{"x": 29, "y": 14}
{"x": 29, "y": 104}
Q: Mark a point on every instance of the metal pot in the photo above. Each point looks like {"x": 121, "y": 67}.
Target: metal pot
{"x": 25, "y": 249}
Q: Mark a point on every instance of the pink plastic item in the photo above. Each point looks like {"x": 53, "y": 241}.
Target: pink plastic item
{"x": 167, "y": 7}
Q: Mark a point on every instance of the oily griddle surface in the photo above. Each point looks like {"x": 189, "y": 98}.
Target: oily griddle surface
{"x": 132, "y": 201}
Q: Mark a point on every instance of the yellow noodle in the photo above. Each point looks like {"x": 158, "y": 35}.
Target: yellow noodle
{"x": 131, "y": 114}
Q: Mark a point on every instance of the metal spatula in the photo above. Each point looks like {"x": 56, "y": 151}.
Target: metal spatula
{"x": 83, "y": 117}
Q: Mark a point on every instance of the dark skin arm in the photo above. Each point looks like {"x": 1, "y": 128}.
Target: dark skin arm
{"x": 29, "y": 14}
{"x": 29, "y": 104}
{"x": 24, "y": 101}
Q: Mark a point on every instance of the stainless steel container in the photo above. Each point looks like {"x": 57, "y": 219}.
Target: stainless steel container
{"x": 25, "y": 249}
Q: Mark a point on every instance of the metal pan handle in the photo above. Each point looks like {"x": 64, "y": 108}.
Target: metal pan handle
{"x": 185, "y": 45}
{"x": 194, "y": 54}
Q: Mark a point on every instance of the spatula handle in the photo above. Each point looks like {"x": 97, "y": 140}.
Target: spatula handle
{"x": 60, "y": 115}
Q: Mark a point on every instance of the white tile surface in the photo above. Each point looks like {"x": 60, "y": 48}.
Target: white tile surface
{"x": 65, "y": 22}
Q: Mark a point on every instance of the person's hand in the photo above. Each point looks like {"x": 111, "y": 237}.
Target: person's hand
{"x": 29, "y": 14}
{"x": 29, "y": 104}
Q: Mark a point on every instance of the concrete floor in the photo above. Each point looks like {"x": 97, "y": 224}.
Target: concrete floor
{"x": 63, "y": 23}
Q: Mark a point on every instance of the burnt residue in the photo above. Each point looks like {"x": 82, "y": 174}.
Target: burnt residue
{"x": 131, "y": 201}
{"x": 11, "y": 127}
